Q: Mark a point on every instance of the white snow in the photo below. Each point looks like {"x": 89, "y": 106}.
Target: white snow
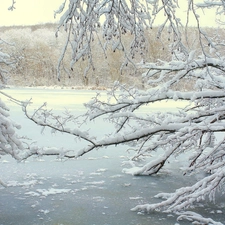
{"x": 53, "y": 191}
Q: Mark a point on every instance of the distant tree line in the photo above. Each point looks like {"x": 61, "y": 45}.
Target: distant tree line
{"x": 36, "y": 50}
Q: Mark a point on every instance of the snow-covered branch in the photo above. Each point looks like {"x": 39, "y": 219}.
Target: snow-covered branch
{"x": 184, "y": 197}
{"x": 194, "y": 78}
{"x": 196, "y": 218}
{"x": 10, "y": 143}
{"x": 110, "y": 23}
{"x": 58, "y": 126}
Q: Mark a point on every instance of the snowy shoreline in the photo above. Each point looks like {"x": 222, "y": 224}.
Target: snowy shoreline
{"x": 57, "y": 87}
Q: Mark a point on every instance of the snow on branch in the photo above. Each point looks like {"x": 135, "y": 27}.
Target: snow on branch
{"x": 184, "y": 197}
{"x": 10, "y": 143}
{"x": 196, "y": 218}
{"x": 208, "y": 4}
{"x": 110, "y": 23}
{"x": 45, "y": 118}
{"x": 192, "y": 77}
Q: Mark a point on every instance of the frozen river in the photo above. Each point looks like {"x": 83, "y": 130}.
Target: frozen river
{"x": 86, "y": 191}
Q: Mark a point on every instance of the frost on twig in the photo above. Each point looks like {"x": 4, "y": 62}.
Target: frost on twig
{"x": 68, "y": 124}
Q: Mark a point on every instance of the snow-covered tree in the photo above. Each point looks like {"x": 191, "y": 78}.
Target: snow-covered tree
{"x": 10, "y": 142}
{"x": 197, "y": 129}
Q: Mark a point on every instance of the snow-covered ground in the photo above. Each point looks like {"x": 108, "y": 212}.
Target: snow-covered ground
{"x": 86, "y": 191}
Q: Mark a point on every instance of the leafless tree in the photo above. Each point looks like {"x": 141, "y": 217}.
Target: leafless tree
{"x": 197, "y": 128}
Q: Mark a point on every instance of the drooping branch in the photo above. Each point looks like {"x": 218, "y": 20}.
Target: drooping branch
{"x": 184, "y": 197}
{"x": 114, "y": 22}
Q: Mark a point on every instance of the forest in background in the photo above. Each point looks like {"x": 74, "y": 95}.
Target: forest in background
{"x": 36, "y": 50}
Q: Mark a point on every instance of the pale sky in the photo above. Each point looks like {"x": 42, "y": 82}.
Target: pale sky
{"x": 30, "y": 12}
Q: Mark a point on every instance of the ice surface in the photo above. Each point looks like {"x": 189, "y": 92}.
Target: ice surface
{"x": 82, "y": 191}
